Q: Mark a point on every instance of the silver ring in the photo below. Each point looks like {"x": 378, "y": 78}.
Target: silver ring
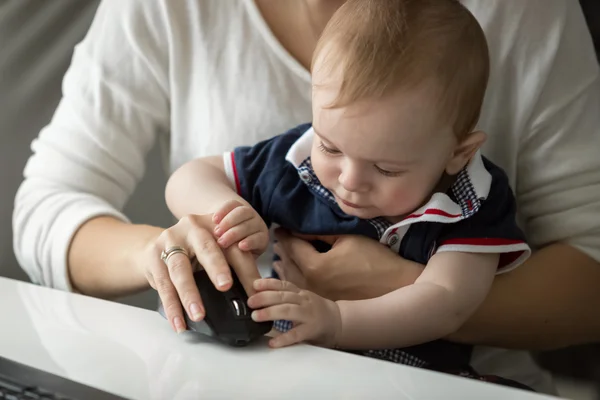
{"x": 166, "y": 254}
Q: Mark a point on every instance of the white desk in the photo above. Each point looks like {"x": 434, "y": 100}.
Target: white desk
{"x": 133, "y": 353}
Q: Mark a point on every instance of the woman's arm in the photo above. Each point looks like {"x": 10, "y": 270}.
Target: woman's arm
{"x": 69, "y": 232}
{"x": 551, "y": 301}
{"x": 115, "y": 273}
{"x": 88, "y": 160}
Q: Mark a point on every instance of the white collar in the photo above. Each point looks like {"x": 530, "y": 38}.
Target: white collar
{"x": 301, "y": 148}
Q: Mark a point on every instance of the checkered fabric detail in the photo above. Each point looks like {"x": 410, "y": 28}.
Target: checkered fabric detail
{"x": 381, "y": 225}
{"x": 308, "y": 176}
{"x": 396, "y": 355}
{"x": 465, "y": 195}
{"x": 282, "y": 325}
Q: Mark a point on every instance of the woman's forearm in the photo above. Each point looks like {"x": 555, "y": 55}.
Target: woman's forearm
{"x": 551, "y": 301}
{"x": 102, "y": 259}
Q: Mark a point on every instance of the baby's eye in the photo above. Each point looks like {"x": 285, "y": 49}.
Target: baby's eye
{"x": 327, "y": 150}
{"x": 388, "y": 173}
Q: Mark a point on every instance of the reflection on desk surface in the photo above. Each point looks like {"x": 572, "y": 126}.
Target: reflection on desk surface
{"x": 133, "y": 353}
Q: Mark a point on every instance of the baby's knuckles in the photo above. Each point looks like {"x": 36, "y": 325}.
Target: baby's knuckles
{"x": 248, "y": 212}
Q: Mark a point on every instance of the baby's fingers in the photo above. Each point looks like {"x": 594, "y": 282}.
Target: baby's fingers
{"x": 271, "y": 298}
{"x": 236, "y": 216}
{"x": 299, "y": 333}
{"x": 239, "y": 232}
{"x": 274, "y": 284}
{"x": 224, "y": 210}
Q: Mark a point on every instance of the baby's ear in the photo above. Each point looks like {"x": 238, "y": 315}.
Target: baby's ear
{"x": 464, "y": 151}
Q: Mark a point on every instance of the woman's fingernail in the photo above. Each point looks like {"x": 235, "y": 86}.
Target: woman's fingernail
{"x": 179, "y": 325}
{"x": 254, "y": 316}
{"x": 217, "y": 231}
{"x": 223, "y": 279}
{"x": 196, "y": 312}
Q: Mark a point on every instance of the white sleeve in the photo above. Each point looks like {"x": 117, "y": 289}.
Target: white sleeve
{"x": 90, "y": 157}
{"x": 558, "y": 181}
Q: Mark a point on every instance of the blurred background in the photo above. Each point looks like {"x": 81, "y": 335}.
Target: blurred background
{"x": 36, "y": 43}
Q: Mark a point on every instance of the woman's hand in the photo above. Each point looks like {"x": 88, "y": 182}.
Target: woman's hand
{"x": 316, "y": 319}
{"x": 355, "y": 268}
{"x": 175, "y": 282}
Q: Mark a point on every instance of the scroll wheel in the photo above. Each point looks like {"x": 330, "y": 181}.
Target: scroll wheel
{"x": 239, "y": 307}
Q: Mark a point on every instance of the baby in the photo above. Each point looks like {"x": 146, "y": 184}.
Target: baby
{"x": 393, "y": 154}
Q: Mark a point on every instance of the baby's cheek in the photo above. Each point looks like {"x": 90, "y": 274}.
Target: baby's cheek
{"x": 325, "y": 169}
{"x": 402, "y": 198}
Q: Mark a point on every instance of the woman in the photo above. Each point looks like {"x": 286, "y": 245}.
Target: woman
{"x": 205, "y": 76}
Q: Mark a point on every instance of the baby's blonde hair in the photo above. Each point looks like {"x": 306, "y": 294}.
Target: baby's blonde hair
{"x": 385, "y": 45}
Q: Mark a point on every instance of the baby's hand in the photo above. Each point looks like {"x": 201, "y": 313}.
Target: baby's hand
{"x": 316, "y": 319}
{"x": 237, "y": 222}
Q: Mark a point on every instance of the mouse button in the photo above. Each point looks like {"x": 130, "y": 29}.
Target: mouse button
{"x": 239, "y": 308}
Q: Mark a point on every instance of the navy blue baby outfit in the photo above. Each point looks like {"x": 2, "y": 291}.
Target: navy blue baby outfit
{"x": 477, "y": 214}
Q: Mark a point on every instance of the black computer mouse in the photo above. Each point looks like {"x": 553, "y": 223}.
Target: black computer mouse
{"x": 227, "y": 313}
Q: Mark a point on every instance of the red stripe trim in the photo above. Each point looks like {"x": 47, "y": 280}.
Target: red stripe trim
{"x": 434, "y": 211}
{"x": 238, "y": 187}
{"x": 481, "y": 242}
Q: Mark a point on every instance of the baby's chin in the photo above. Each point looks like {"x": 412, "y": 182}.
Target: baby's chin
{"x": 362, "y": 213}
{"x": 369, "y": 213}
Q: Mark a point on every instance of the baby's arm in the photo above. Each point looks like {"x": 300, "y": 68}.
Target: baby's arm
{"x": 452, "y": 286}
{"x": 199, "y": 187}
{"x": 448, "y": 291}
{"x": 202, "y": 187}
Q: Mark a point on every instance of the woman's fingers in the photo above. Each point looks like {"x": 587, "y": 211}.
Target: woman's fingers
{"x": 180, "y": 273}
{"x": 173, "y": 278}
{"x": 255, "y": 242}
{"x": 167, "y": 294}
{"x": 211, "y": 258}
{"x": 279, "y": 270}
{"x": 329, "y": 239}
{"x": 299, "y": 251}
{"x": 244, "y": 265}
{"x": 287, "y": 269}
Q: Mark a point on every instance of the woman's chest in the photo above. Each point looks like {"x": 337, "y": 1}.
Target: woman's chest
{"x": 234, "y": 91}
